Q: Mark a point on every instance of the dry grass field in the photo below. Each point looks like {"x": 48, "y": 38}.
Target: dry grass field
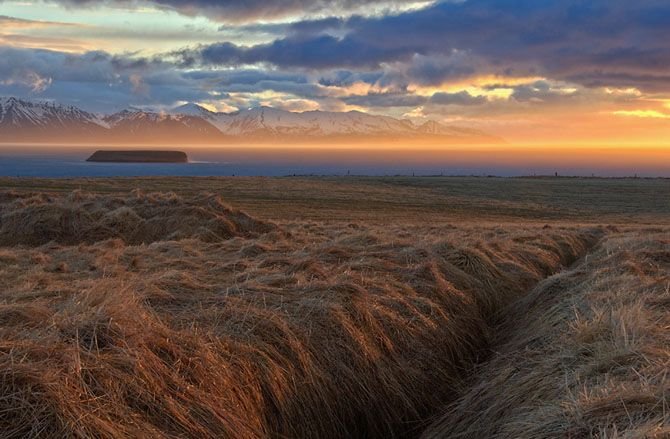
{"x": 351, "y": 307}
{"x": 435, "y": 200}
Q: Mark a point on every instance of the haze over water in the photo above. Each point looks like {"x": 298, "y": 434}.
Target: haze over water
{"x": 70, "y": 161}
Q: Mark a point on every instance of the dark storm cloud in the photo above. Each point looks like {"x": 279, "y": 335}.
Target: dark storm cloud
{"x": 570, "y": 39}
{"x": 316, "y": 52}
{"x": 541, "y": 91}
{"x": 399, "y": 99}
{"x": 100, "y": 81}
{"x": 462, "y": 98}
{"x": 344, "y": 78}
{"x": 597, "y": 43}
{"x": 246, "y": 77}
{"x": 654, "y": 82}
{"x": 307, "y": 27}
{"x": 386, "y": 100}
{"x": 427, "y": 70}
{"x": 94, "y": 80}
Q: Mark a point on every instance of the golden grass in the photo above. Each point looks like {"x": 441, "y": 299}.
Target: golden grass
{"x": 36, "y": 219}
{"x": 585, "y": 355}
{"x": 301, "y": 330}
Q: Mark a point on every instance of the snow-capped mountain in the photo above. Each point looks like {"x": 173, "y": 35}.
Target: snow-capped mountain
{"x": 191, "y": 109}
{"x": 266, "y": 121}
{"x": 140, "y": 125}
{"x": 435, "y": 128}
{"x": 20, "y": 116}
{"x": 22, "y": 120}
{"x": 273, "y": 123}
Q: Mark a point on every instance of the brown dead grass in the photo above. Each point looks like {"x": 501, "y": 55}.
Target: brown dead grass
{"x": 36, "y": 219}
{"x": 585, "y": 355}
{"x": 307, "y": 330}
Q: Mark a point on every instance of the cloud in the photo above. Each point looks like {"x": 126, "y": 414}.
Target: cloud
{"x": 99, "y": 81}
{"x": 235, "y": 11}
{"x": 610, "y": 42}
{"x": 37, "y": 83}
{"x": 60, "y": 44}
{"x": 21, "y": 23}
{"x": 19, "y": 32}
{"x": 435, "y": 70}
{"x": 315, "y": 52}
{"x": 95, "y": 80}
{"x": 542, "y": 91}
{"x": 344, "y": 78}
{"x": 470, "y": 59}
{"x": 385, "y": 100}
{"x": 138, "y": 85}
{"x": 29, "y": 79}
{"x": 645, "y": 114}
{"x": 462, "y": 98}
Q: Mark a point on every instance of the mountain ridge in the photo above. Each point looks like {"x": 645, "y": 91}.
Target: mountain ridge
{"x": 22, "y": 120}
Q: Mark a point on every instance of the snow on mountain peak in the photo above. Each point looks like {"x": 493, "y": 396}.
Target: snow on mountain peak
{"x": 26, "y": 114}
{"x": 253, "y": 124}
{"x": 193, "y": 109}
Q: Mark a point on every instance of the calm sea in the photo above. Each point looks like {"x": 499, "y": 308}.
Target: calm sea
{"x": 67, "y": 161}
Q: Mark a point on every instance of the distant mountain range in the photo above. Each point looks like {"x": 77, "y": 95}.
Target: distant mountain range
{"x": 26, "y": 121}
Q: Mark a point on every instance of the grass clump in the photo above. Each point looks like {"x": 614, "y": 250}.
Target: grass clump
{"x": 36, "y": 219}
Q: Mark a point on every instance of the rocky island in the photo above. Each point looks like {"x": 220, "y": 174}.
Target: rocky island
{"x": 138, "y": 157}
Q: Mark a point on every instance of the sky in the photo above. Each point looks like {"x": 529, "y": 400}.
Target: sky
{"x": 553, "y": 71}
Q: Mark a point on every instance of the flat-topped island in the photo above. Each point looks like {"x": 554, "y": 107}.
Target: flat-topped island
{"x": 149, "y": 156}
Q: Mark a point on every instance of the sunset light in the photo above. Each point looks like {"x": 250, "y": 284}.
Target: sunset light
{"x": 325, "y": 219}
{"x": 522, "y": 71}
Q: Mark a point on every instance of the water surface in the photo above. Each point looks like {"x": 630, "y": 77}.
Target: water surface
{"x": 70, "y": 161}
